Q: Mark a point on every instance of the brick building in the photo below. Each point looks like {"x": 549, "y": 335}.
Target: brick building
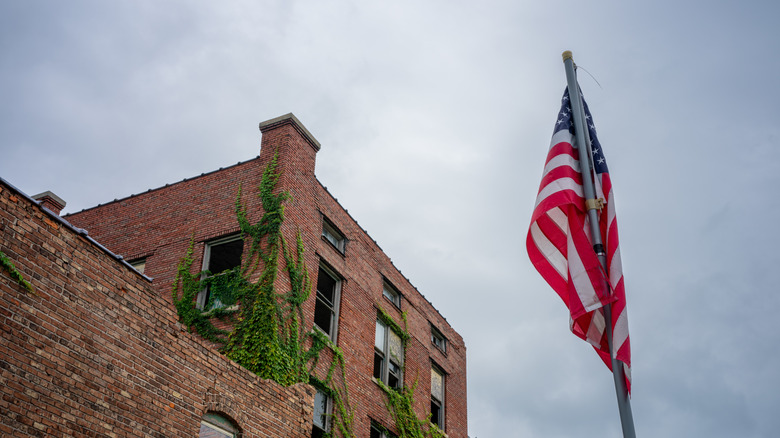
{"x": 94, "y": 351}
{"x": 361, "y": 302}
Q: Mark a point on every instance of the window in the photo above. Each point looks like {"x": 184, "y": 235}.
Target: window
{"x": 138, "y": 264}
{"x": 333, "y": 235}
{"x": 388, "y": 356}
{"x": 391, "y": 293}
{"x": 378, "y": 431}
{"x": 221, "y": 258}
{"x": 322, "y": 409}
{"x": 326, "y": 306}
{"x": 216, "y": 426}
{"x": 438, "y": 339}
{"x": 437, "y": 396}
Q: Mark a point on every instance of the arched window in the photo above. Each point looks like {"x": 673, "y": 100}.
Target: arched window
{"x": 216, "y": 426}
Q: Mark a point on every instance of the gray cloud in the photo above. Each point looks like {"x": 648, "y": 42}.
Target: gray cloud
{"x": 435, "y": 119}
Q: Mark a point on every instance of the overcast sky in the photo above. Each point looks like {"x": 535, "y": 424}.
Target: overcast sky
{"x": 435, "y": 118}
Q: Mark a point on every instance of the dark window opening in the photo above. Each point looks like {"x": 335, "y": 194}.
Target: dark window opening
{"x": 436, "y": 412}
{"x": 327, "y": 300}
{"x": 378, "y": 431}
{"x": 379, "y": 359}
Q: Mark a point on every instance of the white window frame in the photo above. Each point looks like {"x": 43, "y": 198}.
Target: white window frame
{"x": 391, "y": 293}
{"x": 334, "y": 311}
{"x": 333, "y": 235}
{"x": 203, "y": 294}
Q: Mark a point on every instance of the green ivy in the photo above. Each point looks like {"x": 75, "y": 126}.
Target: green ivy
{"x": 186, "y": 287}
{"x": 401, "y": 406}
{"x": 268, "y": 336}
{"x": 400, "y": 403}
{"x": 9, "y": 267}
{"x": 343, "y": 416}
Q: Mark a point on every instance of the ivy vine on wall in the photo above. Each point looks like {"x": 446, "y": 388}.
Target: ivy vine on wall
{"x": 9, "y": 267}
{"x": 400, "y": 402}
{"x": 268, "y": 336}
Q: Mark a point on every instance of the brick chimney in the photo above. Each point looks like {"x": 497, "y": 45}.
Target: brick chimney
{"x": 51, "y": 201}
{"x": 296, "y": 146}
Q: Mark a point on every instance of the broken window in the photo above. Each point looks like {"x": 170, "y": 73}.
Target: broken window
{"x": 437, "y": 396}
{"x": 325, "y": 308}
{"x": 322, "y": 407}
{"x": 222, "y": 262}
{"x": 388, "y": 356}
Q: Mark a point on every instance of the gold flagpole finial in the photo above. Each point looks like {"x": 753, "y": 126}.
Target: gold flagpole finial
{"x": 567, "y": 55}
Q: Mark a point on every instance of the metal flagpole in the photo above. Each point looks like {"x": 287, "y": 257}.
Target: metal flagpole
{"x": 583, "y": 143}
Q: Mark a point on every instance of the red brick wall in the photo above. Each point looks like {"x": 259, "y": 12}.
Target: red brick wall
{"x": 96, "y": 351}
{"x": 159, "y": 224}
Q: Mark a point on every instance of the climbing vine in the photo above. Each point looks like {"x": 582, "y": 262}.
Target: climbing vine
{"x": 185, "y": 288}
{"x": 400, "y": 403}
{"x": 268, "y": 335}
{"x": 9, "y": 267}
{"x": 343, "y": 416}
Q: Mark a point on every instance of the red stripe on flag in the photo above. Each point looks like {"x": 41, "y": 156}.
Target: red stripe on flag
{"x": 560, "y": 247}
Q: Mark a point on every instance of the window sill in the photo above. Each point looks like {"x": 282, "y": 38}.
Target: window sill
{"x": 335, "y": 248}
{"x": 225, "y": 310}
{"x": 382, "y": 385}
{"x": 439, "y": 429}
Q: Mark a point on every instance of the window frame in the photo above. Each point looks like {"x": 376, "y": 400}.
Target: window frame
{"x": 220, "y": 423}
{"x": 380, "y": 430}
{"x": 391, "y": 293}
{"x": 138, "y": 264}
{"x": 326, "y": 426}
{"x": 386, "y": 359}
{"x": 434, "y": 400}
{"x": 203, "y": 295}
{"x": 334, "y": 309}
{"x": 436, "y": 334}
{"x": 331, "y": 234}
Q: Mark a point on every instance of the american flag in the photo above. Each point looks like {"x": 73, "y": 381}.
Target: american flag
{"x": 560, "y": 247}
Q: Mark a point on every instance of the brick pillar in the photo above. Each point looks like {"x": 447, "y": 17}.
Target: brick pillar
{"x": 296, "y": 146}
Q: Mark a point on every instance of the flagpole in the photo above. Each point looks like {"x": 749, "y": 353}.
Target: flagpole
{"x": 583, "y": 143}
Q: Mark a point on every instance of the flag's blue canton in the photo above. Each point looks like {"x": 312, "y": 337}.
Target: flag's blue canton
{"x": 565, "y": 121}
